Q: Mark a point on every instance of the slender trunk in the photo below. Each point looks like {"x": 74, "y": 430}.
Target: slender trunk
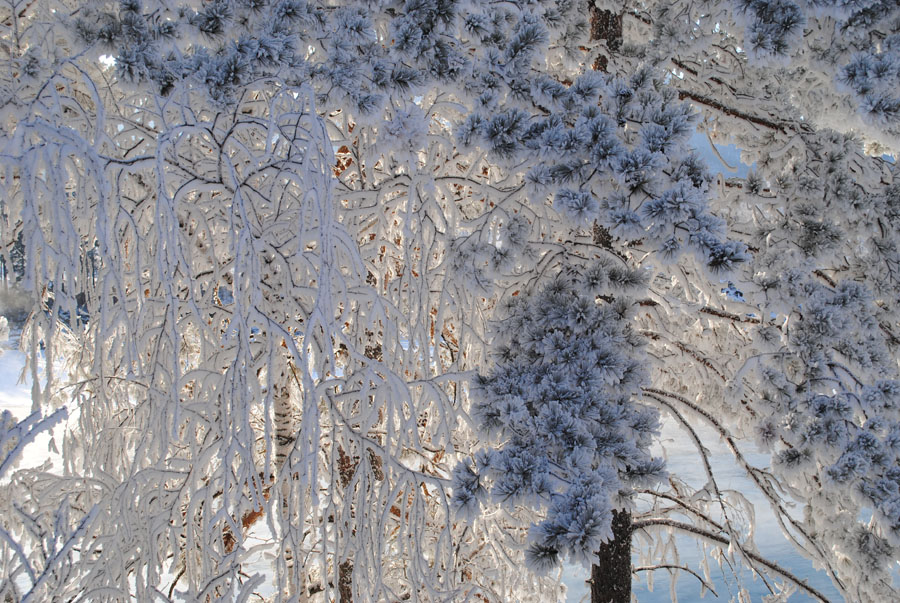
{"x": 285, "y": 435}
{"x": 611, "y": 575}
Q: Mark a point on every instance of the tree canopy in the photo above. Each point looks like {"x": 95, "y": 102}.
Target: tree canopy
{"x": 374, "y": 301}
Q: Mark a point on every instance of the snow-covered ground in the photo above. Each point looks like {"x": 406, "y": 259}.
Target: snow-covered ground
{"x": 14, "y": 397}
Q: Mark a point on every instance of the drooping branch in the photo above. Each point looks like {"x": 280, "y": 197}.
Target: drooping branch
{"x": 720, "y": 540}
{"x": 730, "y": 111}
{"x": 707, "y": 466}
{"x": 752, "y": 472}
{"x": 682, "y": 507}
{"x": 681, "y": 568}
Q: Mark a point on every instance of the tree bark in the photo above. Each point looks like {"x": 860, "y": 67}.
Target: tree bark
{"x": 605, "y": 25}
{"x": 285, "y": 434}
{"x": 611, "y": 575}
{"x": 345, "y": 582}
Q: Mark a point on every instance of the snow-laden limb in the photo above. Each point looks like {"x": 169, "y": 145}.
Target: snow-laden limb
{"x": 785, "y": 63}
{"x": 799, "y": 342}
{"x": 719, "y": 540}
{"x": 16, "y": 435}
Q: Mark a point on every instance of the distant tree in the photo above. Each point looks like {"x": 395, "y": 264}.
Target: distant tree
{"x": 268, "y": 246}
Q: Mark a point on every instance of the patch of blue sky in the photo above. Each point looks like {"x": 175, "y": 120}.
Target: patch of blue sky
{"x": 722, "y": 159}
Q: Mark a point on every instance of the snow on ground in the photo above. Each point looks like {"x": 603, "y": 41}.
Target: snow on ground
{"x": 14, "y": 396}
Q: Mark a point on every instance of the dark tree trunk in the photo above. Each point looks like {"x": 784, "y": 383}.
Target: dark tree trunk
{"x": 345, "y": 582}
{"x": 611, "y": 575}
{"x": 605, "y": 25}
